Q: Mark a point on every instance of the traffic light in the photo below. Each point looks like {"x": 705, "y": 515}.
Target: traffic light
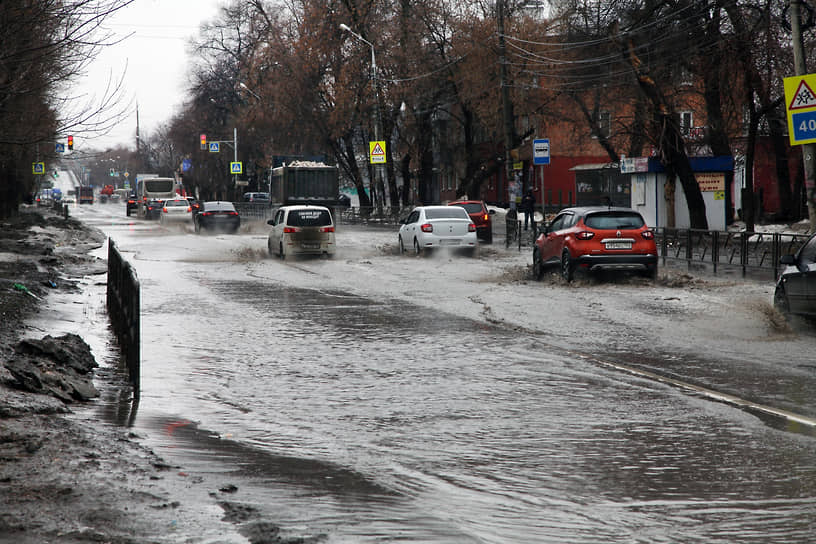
{"x": 203, "y": 141}
{"x": 70, "y": 143}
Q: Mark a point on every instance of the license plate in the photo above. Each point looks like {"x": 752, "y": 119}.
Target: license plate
{"x": 310, "y": 246}
{"x": 619, "y": 245}
{"x": 449, "y": 242}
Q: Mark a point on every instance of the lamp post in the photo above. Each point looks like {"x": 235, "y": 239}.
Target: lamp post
{"x": 250, "y": 91}
{"x": 377, "y": 173}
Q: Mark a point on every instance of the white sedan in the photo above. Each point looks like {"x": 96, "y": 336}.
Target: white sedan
{"x": 176, "y": 210}
{"x": 433, "y": 227}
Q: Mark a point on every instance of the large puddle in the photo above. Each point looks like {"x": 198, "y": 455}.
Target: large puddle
{"x": 377, "y": 420}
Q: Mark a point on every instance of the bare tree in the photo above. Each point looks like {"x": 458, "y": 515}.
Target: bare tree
{"x": 46, "y": 45}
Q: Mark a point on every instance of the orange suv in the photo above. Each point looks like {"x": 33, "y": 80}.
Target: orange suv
{"x": 596, "y": 238}
{"x": 480, "y": 215}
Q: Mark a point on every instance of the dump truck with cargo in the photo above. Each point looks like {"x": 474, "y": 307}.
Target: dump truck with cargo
{"x": 304, "y": 182}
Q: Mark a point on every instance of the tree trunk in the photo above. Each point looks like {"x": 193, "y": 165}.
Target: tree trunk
{"x": 668, "y": 196}
{"x": 776, "y": 125}
{"x": 670, "y": 144}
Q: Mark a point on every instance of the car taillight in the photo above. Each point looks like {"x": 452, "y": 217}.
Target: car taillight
{"x": 326, "y": 229}
{"x": 486, "y": 217}
{"x": 585, "y": 235}
{"x": 232, "y": 213}
{"x": 189, "y": 209}
{"x": 647, "y": 235}
{"x": 471, "y": 227}
{"x": 290, "y": 230}
{"x": 164, "y": 210}
{"x": 427, "y": 227}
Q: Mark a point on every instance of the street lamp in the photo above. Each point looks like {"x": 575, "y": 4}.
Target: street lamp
{"x": 380, "y": 188}
{"x": 247, "y": 89}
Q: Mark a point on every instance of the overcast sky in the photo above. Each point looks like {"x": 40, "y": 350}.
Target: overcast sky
{"x": 154, "y": 60}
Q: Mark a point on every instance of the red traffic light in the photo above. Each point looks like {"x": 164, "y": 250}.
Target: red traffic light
{"x": 70, "y": 142}
{"x": 203, "y": 141}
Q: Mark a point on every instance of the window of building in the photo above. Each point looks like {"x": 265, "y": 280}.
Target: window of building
{"x": 604, "y": 123}
{"x": 686, "y": 122}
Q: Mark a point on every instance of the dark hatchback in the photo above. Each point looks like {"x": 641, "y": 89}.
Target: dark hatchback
{"x": 217, "y": 216}
{"x": 796, "y": 287}
{"x": 154, "y": 209}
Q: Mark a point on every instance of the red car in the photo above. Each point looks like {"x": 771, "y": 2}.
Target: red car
{"x": 480, "y": 215}
{"x": 596, "y": 238}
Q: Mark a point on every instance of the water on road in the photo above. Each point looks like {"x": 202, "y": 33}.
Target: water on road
{"x": 371, "y": 419}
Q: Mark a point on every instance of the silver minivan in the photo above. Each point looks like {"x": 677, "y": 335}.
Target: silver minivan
{"x": 301, "y": 230}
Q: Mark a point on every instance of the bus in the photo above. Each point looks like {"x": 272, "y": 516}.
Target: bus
{"x": 153, "y": 188}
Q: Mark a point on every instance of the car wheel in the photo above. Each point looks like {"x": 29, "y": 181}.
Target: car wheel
{"x": 269, "y": 247}
{"x": 417, "y": 248}
{"x": 197, "y": 227}
{"x": 781, "y": 301}
{"x": 489, "y": 238}
{"x": 538, "y": 270}
{"x": 650, "y": 272}
{"x": 567, "y": 266}
{"x": 127, "y": 212}
{"x": 401, "y": 246}
{"x": 280, "y": 251}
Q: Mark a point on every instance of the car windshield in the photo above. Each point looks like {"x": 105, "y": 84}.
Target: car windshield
{"x": 309, "y": 218}
{"x": 454, "y": 212}
{"x": 177, "y": 203}
{"x": 471, "y": 207}
{"x": 614, "y": 220}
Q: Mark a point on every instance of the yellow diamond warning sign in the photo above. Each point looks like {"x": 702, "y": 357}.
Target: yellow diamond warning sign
{"x": 376, "y": 152}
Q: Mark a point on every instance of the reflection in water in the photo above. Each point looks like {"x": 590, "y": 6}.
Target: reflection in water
{"x": 373, "y": 421}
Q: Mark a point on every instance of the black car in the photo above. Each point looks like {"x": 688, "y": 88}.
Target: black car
{"x": 218, "y": 216}
{"x": 195, "y": 205}
{"x": 796, "y": 287}
{"x": 132, "y": 204}
{"x": 154, "y": 208}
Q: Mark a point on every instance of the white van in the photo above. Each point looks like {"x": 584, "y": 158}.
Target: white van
{"x": 301, "y": 230}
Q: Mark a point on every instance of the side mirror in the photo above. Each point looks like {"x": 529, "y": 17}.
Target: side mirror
{"x": 491, "y": 212}
{"x": 787, "y": 260}
{"x": 270, "y": 222}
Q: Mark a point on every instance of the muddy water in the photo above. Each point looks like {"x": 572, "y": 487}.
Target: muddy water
{"x": 378, "y": 421}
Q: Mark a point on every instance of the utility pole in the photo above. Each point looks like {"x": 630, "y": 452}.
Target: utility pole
{"x": 808, "y": 150}
{"x": 507, "y": 106}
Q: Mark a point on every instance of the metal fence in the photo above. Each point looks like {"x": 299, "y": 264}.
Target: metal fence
{"x": 254, "y": 211}
{"x": 751, "y": 253}
{"x": 123, "y": 303}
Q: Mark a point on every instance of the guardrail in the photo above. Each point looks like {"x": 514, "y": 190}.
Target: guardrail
{"x": 123, "y": 303}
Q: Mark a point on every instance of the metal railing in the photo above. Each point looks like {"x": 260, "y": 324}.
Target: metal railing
{"x": 123, "y": 303}
{"x": 749, "y": 252}
{"x": 260, "y": 211}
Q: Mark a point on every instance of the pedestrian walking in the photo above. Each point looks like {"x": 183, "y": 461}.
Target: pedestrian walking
{"x": 527, "y": 206}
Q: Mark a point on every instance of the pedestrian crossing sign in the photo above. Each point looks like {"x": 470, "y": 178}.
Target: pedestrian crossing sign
{"x": 236, "y": 168}
{"x": 376, "y": 152}
{"x": 215, "y": 147}
{"x": 38, "y": 168}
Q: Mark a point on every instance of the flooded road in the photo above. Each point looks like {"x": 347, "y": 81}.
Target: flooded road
{"x": 370, "y": 418}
